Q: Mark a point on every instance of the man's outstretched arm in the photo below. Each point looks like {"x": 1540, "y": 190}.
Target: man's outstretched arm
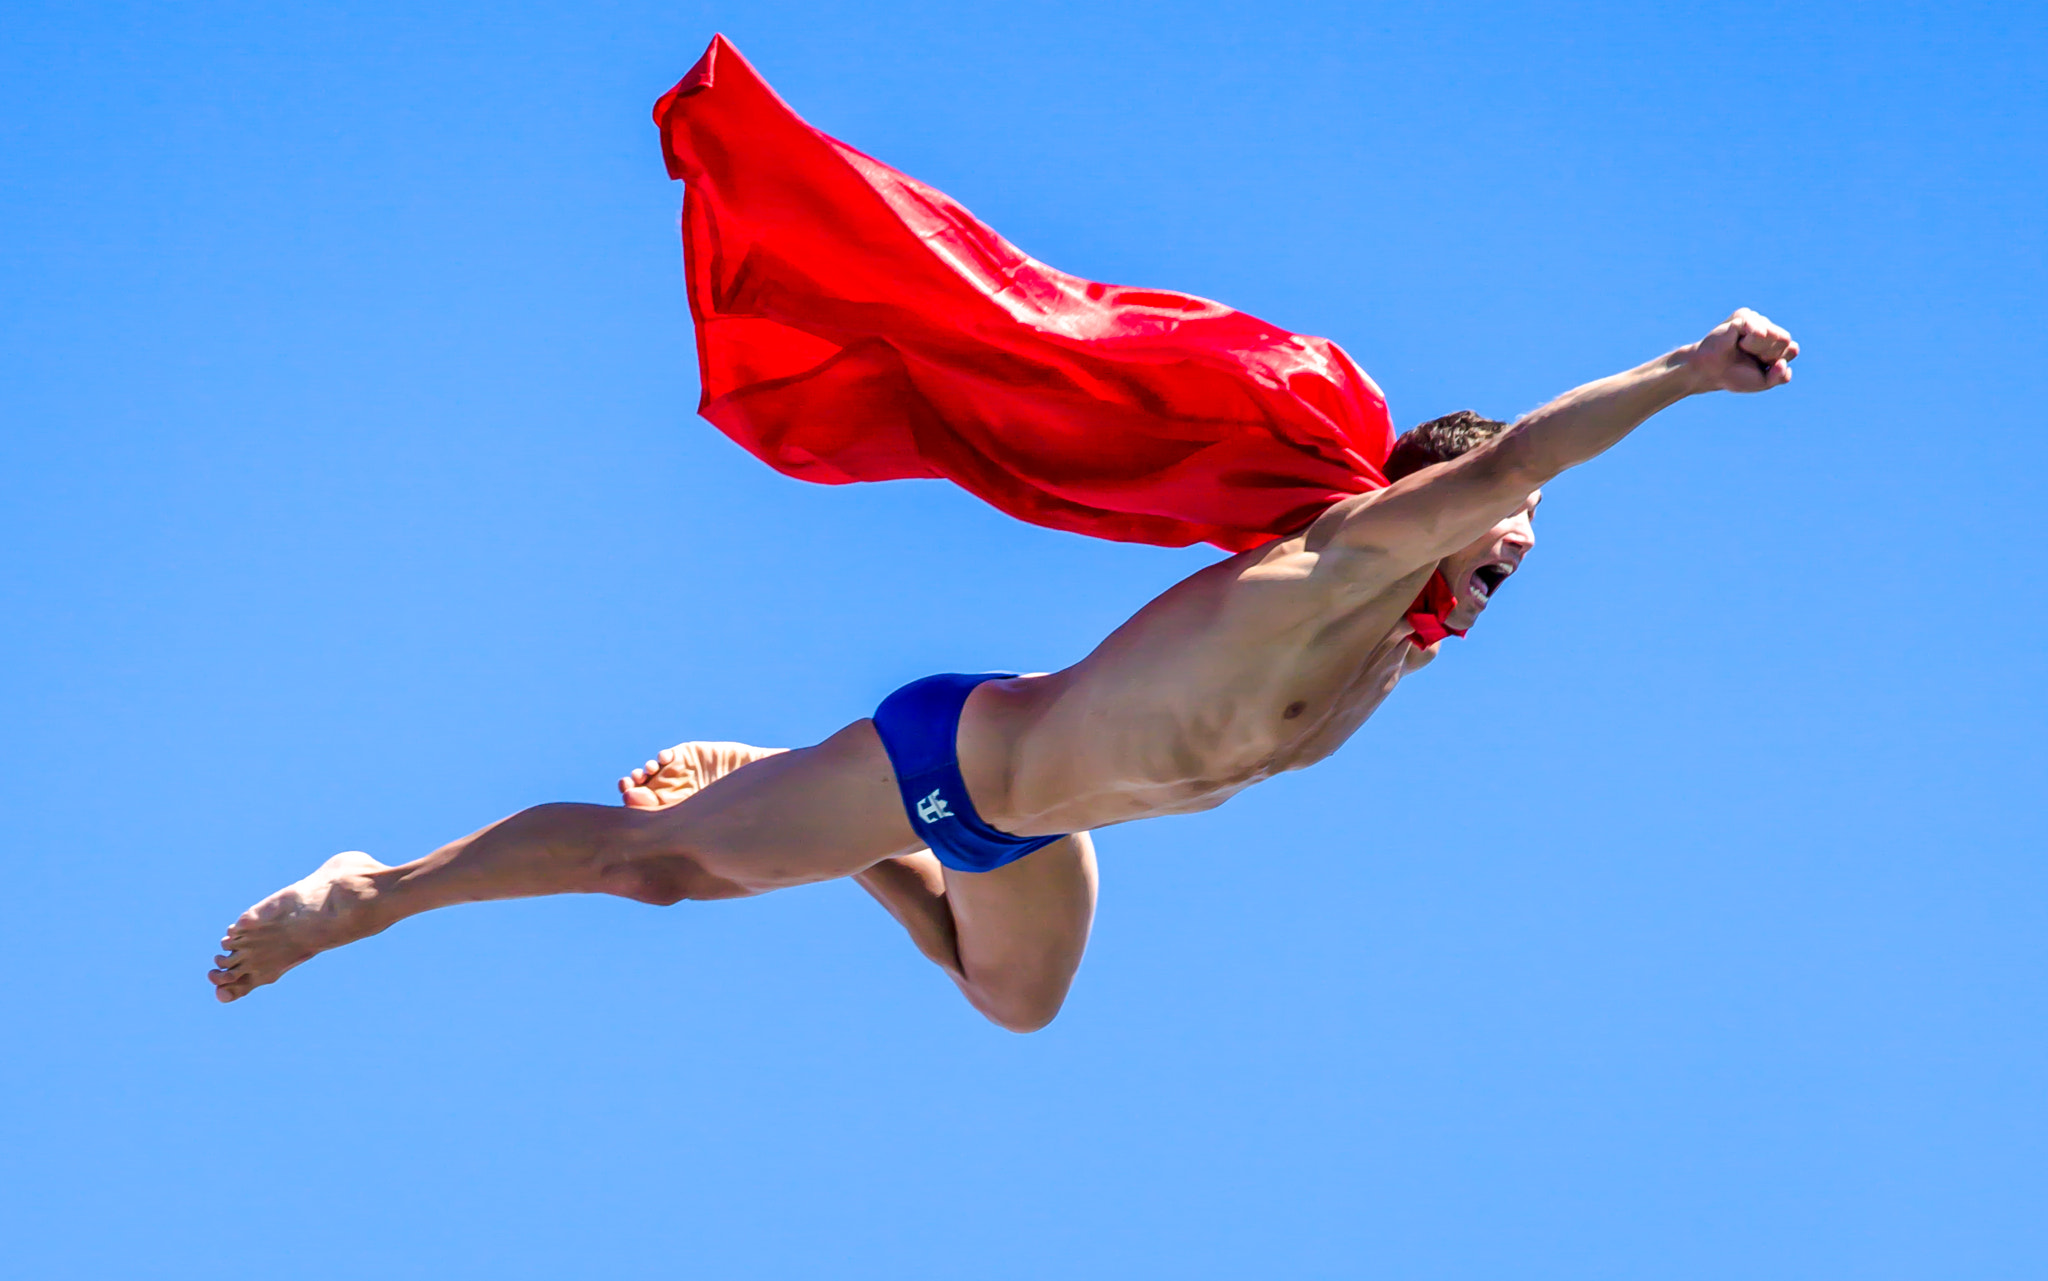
{"x": 1745, "y": 353}
{"x": 1438, "y": 510}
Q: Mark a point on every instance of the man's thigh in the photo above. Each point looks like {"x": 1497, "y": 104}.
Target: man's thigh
{"x": 809, "y": 814}
{"x": 1023, "y": 927}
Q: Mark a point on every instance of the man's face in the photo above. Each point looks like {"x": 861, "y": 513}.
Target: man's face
{"x": 1478, "y": 571}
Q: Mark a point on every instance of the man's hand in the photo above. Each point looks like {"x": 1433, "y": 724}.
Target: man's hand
{"x": 1746, "y": 352}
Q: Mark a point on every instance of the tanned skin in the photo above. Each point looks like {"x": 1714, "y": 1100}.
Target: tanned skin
{"x": 1264, "y": 662}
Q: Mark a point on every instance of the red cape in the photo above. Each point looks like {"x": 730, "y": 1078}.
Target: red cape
{"x": 854, "y": 324}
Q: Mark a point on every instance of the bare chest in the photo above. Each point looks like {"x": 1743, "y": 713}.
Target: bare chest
{"x": 1185, "y": 716}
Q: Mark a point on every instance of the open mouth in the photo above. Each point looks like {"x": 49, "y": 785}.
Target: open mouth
{"x": 1487, "y": 578}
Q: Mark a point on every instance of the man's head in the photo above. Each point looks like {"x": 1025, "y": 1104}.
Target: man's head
{"x": 1439, "y": 441}
{"x": 1481, "y": 567}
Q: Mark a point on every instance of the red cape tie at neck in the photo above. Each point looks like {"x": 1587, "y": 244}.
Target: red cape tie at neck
{"x": 1431, "y": 609}
{"x": 854, "y": 324}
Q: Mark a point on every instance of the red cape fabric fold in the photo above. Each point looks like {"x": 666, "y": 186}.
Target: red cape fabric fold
{"x": 854, "y": 324}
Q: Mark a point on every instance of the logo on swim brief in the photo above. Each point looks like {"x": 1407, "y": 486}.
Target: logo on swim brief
{"x": 933, "y": 808}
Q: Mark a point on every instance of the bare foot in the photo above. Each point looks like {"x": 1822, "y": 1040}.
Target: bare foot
{"x": 297, "y": 923}
{"x": 684, "y": 770}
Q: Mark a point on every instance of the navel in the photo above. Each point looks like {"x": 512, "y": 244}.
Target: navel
{"x": 1293, "y": 710}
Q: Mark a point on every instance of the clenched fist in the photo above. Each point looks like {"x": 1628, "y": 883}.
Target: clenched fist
{"x": 1745, "y": 352}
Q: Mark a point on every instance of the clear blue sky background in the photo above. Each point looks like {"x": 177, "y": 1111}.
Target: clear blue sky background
{"x": 1688, "y": 921}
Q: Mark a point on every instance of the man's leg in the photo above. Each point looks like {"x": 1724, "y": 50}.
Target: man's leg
{"x": 1010, "y": 938}
{"x": 807, "y": 815}
{"x": 1021, "y": 930}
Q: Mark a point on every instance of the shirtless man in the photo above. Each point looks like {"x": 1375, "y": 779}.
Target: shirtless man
{"x": 964, "y": 804}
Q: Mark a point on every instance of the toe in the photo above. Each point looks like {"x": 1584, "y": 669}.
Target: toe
{"x": 667, "y": 755}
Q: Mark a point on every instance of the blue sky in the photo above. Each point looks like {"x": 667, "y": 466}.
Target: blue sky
{"x": 1687, "y": 921}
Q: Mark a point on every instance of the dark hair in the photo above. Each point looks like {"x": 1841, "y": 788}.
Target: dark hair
{"x": 1439, "y": 441}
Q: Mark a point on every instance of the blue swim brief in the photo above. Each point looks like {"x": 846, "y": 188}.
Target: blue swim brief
{"x": 920, "y": 727}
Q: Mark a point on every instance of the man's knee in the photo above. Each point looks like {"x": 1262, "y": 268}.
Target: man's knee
{"x": 1022, "y": 1007}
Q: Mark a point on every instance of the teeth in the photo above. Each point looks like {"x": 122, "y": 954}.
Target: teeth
{"x": 1490, "y": 576}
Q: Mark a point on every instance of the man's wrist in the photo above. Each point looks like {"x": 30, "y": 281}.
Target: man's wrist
{"x": 1683, "y": 368}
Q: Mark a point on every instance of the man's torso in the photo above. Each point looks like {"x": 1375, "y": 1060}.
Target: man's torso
{"x": 1264, "y": 662}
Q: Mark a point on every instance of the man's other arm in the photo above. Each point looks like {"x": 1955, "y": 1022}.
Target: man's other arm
{"x": 1440, "y": 509}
